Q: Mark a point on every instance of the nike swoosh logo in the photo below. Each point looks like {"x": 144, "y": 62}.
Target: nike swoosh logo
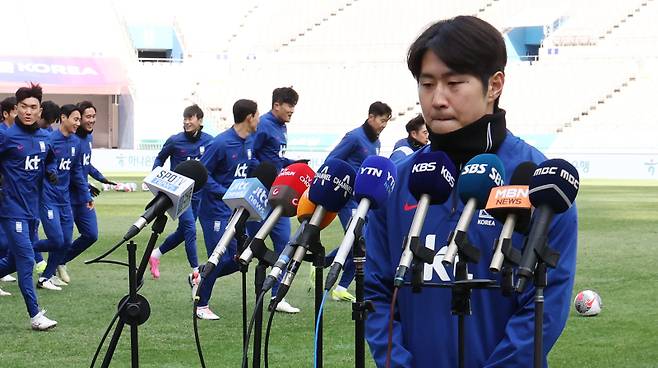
{"x": 409, "y": 207}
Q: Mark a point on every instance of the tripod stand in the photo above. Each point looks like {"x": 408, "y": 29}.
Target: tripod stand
{"x": 133, "y": 308}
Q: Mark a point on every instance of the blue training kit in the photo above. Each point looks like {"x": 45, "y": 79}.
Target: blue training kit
{"x": 228, "y": 157}
{"x": 355, "y": 146}
{"x": 178, "y": 148}
{"x": 23, "y": 161}
{"x": 499, "y": 333}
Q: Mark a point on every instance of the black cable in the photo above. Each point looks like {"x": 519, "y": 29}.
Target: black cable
{"x": 99, "y": 258}
{"x": 107, "y": 332}
{"x": 259, "y": 301}
{"x": 195, "y": 303}
{"x": 389, "y": 347}
{"x": 267, "y": 338}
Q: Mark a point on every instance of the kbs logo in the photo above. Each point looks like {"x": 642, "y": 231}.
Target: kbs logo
{"x": 447, "y": 176}
{"x": 32, "y": 163}
{"x": 423, "y": 167}
{"x": 65, "y": 165}
{"x": 241, "y": 171}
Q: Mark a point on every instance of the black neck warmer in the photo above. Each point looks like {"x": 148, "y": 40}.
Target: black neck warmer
{"x": 82, "y": 132}
{"x": 485, "y": 135}
{"x": 414, "y": 144}
{"x": 370, "y": 132}
{"x": 27, "y": 128}
{"x": 194, "y": 136}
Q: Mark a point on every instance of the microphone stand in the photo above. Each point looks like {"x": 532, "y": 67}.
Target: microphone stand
{"x": 266, "y": 258}
{"x": 134, "y": 309}
{"x": 311, "y": 237}
{"x": 242, "y": 239}
{"x": 360, "y": 307}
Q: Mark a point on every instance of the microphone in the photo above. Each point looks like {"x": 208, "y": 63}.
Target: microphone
{"x": 373, "y": 185}
{"x": 330, "y": 191}
{"x": 173, "y": 192}
{"x": 510, "y": 204}
{"x": 431, "y": 182}
{"x": 248, "y": 199}
{"x": 305, "y": 210}
{"x": 284, "y": 195}
{"x": 553, "y": 189}
{"x": 478, "y": 176}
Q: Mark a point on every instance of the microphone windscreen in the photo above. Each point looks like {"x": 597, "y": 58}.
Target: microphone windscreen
{"x": 305, "y": 210}
{"x": 482, "y": 173}
{"x": 333, "y": 185}
{"x": 266, "y": 173}
{"x": 555, "y": 184}
{"x": 296, "y": 176}
{"x": 375, "y": 180}
{"x": 194, "y": 170}
{"x": 432, "y": 173}
{"x": 523, "y": 173}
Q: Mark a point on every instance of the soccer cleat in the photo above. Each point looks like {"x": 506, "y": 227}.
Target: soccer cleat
{"x": 285, "y": 307}
{"x": 193, "y": 279}
{"x": 343, "y": 296}
{"x": 4, "y": 293}
{"x": 57, "y": 281}
{"x": 63, "y": 274}
{"x": 8, "y": 278}
{"x": 42, "y": 323}
{"x": 40, "y": 267}
{"x": 154, "y": 264}
{"x": 206, "y": 313}
{"x": 47, "y": 284}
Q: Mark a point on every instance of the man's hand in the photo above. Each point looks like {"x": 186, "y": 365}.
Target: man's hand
{"x": 52, "y": 177}
{"x": 90, "y": 205}
{"x": 106, "y": 181}
{"x": 94, "y": 191}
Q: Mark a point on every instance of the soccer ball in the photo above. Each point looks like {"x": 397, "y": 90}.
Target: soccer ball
{"x": 588, "y": 303}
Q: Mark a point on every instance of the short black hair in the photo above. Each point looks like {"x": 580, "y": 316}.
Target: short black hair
{"x": 84, "y": 105}
{"x": 69, "y": 109}
{"x": 415, "y": 124}
{"x": 34, "y": 90}
{"x": 50, "y": 112}
{"x": 285, "y": 95}
{"x": 466, "y": 44}
{"x": 242, "y": 109}
{"x": 193, "y": 110}
{"x": 7, "y": 105}
{"x": 379, "y": 108}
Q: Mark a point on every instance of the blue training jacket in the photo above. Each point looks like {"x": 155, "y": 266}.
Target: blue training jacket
{"x": 271, "y": 140}
{"x": 23, "y": 161}
{"x": 500, "y": 331}
{"x": 355, "y": 147}
{"x": 67, "y": 156}
{"x": 228, "y": 157}
{"x": 179, "y": 148}
{"x": 402, "y": 149}
{"x": 79, "y": 195}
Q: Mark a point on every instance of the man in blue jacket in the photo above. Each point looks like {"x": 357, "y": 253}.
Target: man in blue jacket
{"x": 187, "y": 145}
{"x": 7, "y": 114}
{"x": 228, "y": 157}
{"x": 55, "y": 206}
{"x": 23, "y": 152}
{"x": 84, "y": 213}
{"x": 417, "y": 138}
{"x": 355, "y": 146}
{"x": 270, "y": 144}
{"x": 459, "y": 66}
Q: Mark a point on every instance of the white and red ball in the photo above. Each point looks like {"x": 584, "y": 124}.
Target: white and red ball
{"x": 587, "y": 303}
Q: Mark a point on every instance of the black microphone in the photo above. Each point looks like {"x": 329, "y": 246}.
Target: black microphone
{"x": 173, "y": 192}
{"x": 553, "y": 190}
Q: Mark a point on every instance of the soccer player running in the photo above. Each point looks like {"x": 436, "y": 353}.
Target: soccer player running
{"x": 459, "y": 66}
{"x": 55, "y": 207}
{"x": 23, "y": 151}
{"x": 228, "y": 157}
{"x": 187, "y": 145}
{"x": 417, "y": 138}
{"x": 270, "y": 143}
{"x": 84, "y": 213}
{"x": 355, "y": 146}
{"x": 8, "y": 114}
